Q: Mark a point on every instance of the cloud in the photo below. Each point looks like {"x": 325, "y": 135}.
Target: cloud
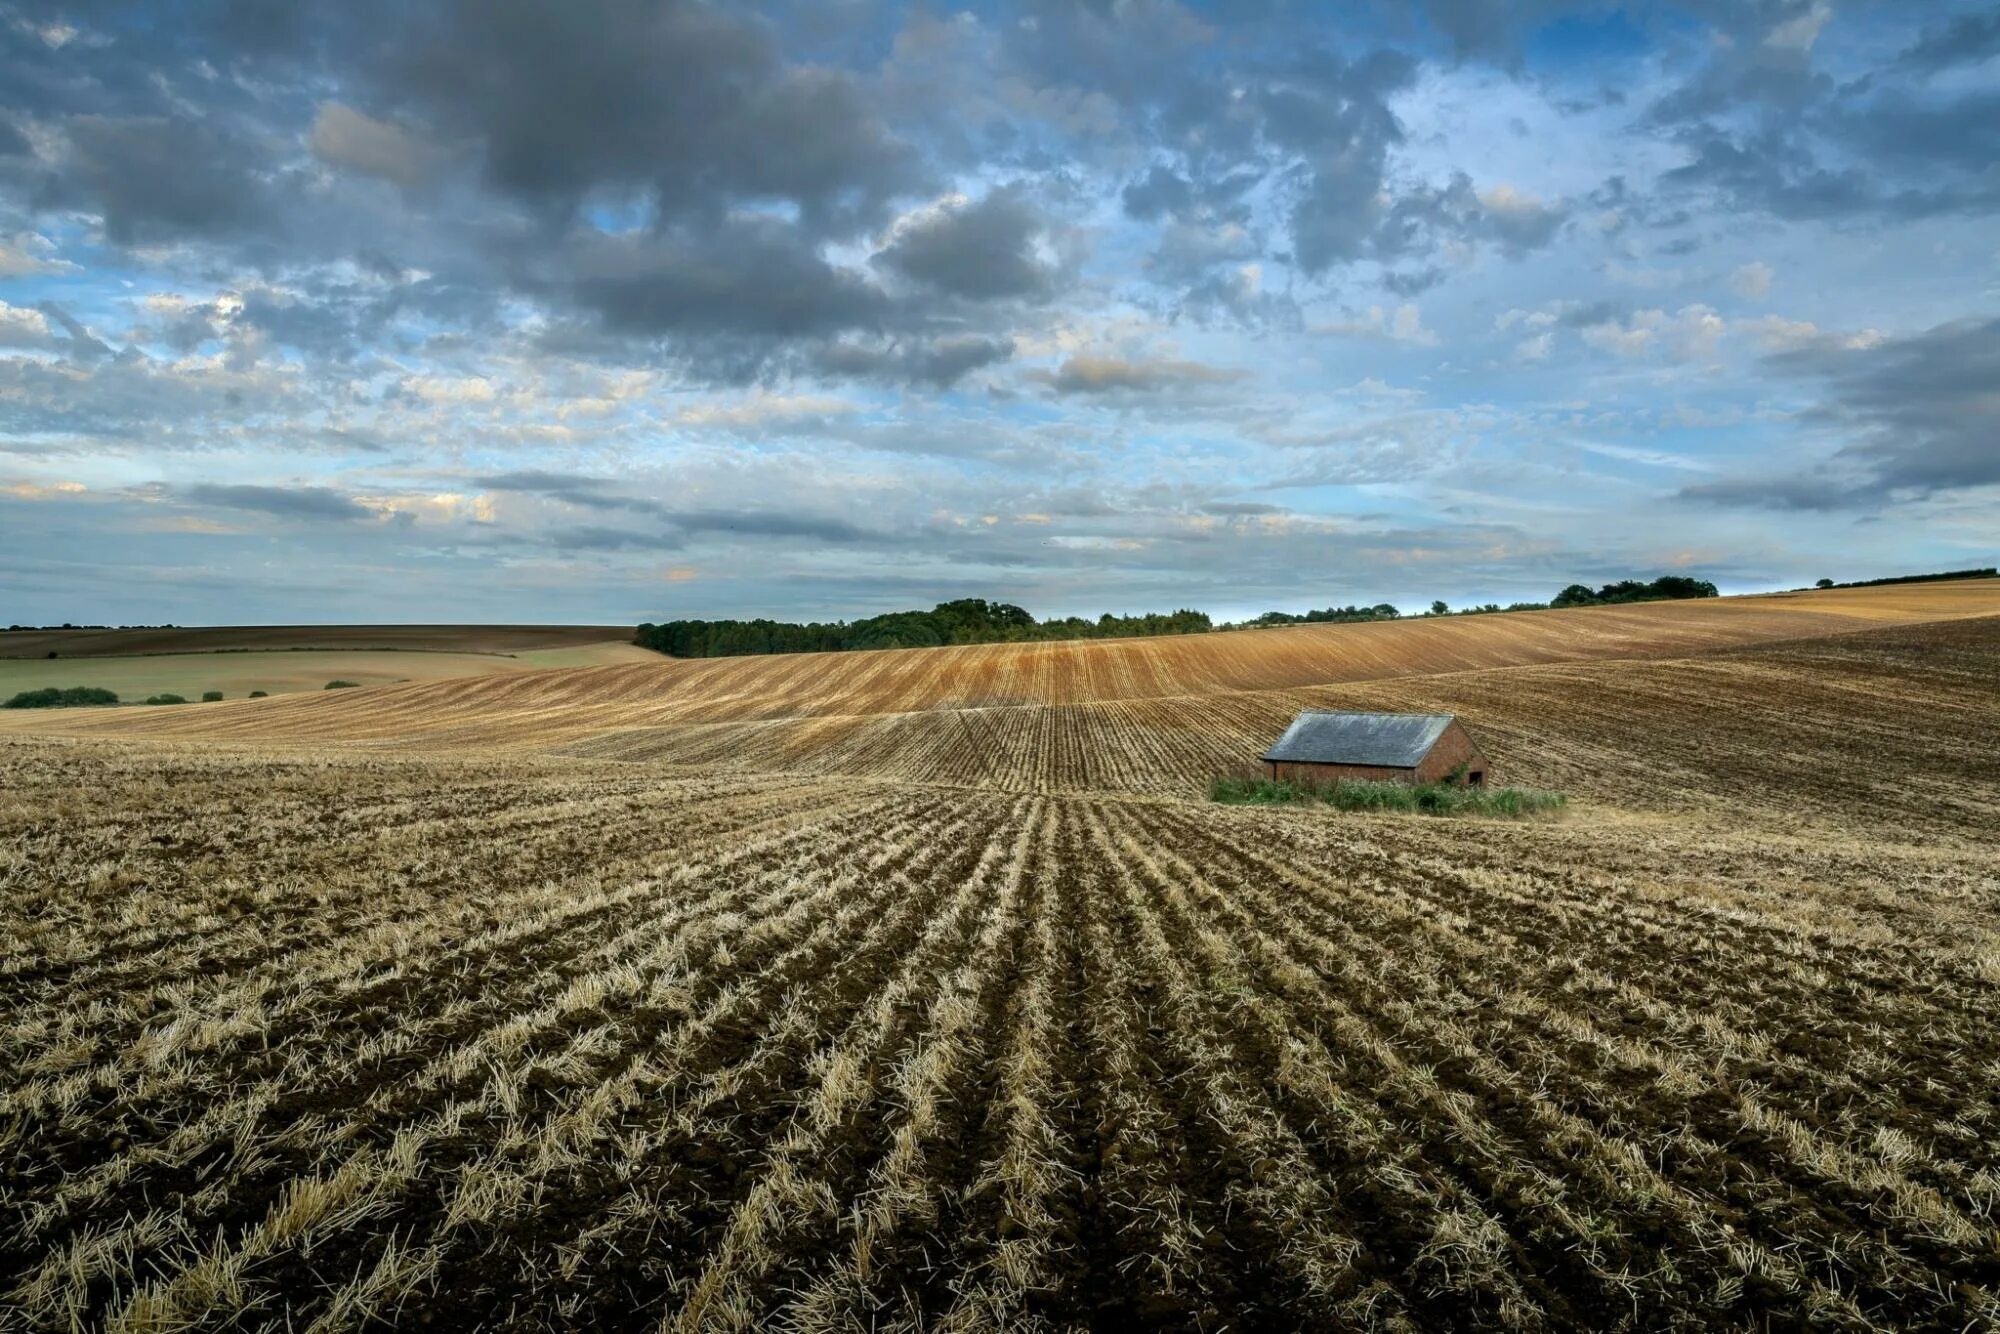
{"x": 768, "y": 523}
{"x": 158, "y": 178}
{"x": 1967, "y": 39}
{"x": 1692, "y": 333}
{"x": 26, "y": 254}
{"x": 1924, "y": 412}
{"x": 638, "y": 276}
{"x": 676, "y": 524}
{"x": 762, "y": 413}
{"x": 588, "y": 537}
{"x": 313, "y": 503}
{"x": 1752, "y": 281}
{"x": 1518, "y": 222}
{"x": 1405, "y": 324}
{"x": 1156, "y": 194}
{"x": 346, "y": 138}
{"x": 1084, "y": 374}
{"x": 585, "y": 492}
{"x": 938, "y": 363}
{"x": 13, "y": 143}
{"x": 1426, "y": 217}
{"x": 694, "y": 105}
{"x": 754, "y": 280}
{"x": 984, "y": 250}
{"x": 23, "y": 327}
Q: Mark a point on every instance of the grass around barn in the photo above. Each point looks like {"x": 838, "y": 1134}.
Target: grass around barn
{"x": 1418, "y": 798}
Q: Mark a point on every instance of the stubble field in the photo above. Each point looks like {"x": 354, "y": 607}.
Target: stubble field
{"x": 856, "y": 1021}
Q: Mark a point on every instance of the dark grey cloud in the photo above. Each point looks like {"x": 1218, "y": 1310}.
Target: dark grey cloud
{"x": 1929, "y": 405}
{"x": 1426, "y": 215}
{"x": 1966, "y": 39}
{"x": 981, "y": 250}
{"x": 938, "y": 363}
{"x": 1085, "y": 374}
{"x": 1159, "y": 192}
{"x": 316, "y": 503}
{"x": 588, "y": 537}
{"x": 82, "y": 344}
{"x": 691, "y": 104}
{"x": 13, "y": 143}
{"x": 754, "y": 278}
{"x": 1807, "y": 493}
{"x": 597, "y": 493}
{"x": 676, "y": 524}
{"x": 1335, "y": 115}
{"x": 770, "y": 523}
{"x": 1962, "y": 133}
{"x": 1765, "y": 129}
{"x": 157, "y": 178}
{"x": 1241, "y": 509}
{"x": 1924, "y": 411}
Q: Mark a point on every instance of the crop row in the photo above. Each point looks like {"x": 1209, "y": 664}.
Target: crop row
{"x": 536, "y": 1045}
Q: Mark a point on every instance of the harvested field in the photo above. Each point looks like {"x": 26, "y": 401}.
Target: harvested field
{"x": 831, "y": 694}
{"x": 244, "y": 638}
{"x": 802, "y": 1019}
{"x": 237, "y": 672}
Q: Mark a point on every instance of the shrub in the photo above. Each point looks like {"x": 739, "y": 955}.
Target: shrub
{"x": 1423, "y": 798}
{"x": 260, "y": 694}
{"x": 342, "y": 685}
{"x": 57, "y": 697}
{"x": 166, "y": 699}
{"x": 1257, "y": 792}
{"x": 210, "y": 696}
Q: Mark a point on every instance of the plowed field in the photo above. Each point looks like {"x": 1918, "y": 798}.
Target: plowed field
{"x": 977, "y": 1017}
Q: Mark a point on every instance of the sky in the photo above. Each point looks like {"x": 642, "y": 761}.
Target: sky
{"x": 622, "y": 310}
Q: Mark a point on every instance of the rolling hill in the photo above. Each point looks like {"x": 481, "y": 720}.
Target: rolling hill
{"x": 922, "y": 990}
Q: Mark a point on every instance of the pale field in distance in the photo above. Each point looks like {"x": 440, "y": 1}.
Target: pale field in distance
{"x": 237, "y": 672}
{"x": 924, "y": 991}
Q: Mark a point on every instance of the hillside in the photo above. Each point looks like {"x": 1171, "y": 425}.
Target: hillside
{"x": 779, "y": 705}
{"x": 695, "y": 995}
{"x": 237, "y": 672}
{"x": 238, "y": 638}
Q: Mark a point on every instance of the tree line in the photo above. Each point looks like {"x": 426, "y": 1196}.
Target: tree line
{"x": 978, "y": 621}
{"x": 1665, "y": 588}
{"x": 964, "y": 621}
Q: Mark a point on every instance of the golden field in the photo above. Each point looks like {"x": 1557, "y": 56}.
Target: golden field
{"x": 280, "y": 660}
{"x": 922, "y": 990}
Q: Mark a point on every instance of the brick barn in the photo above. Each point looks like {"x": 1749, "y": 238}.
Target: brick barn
{"x": 1321, "y": 747}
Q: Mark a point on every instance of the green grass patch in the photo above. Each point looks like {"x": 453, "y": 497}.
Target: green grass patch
{"x": 61, "y": 697}
{"x": 1417, "y": 798}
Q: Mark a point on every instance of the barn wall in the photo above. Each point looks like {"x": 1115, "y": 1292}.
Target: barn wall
{"x": 1454, "y": 748}
{"x": 1295, "y": 771}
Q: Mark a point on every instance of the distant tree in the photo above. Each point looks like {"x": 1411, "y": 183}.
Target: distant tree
{"x": 210, "y": 696}
{"x": 55, "y": 697}
{"x": 260, "y": 694}
{"x": 1439, "y": 608}
{"x": 1823, "y": 583}
{"x": 166, "y": 699}
{"x": 342, "y": 685}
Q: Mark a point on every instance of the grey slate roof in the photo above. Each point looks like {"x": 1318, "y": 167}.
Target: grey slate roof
{"x": 1389, "y": 740}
